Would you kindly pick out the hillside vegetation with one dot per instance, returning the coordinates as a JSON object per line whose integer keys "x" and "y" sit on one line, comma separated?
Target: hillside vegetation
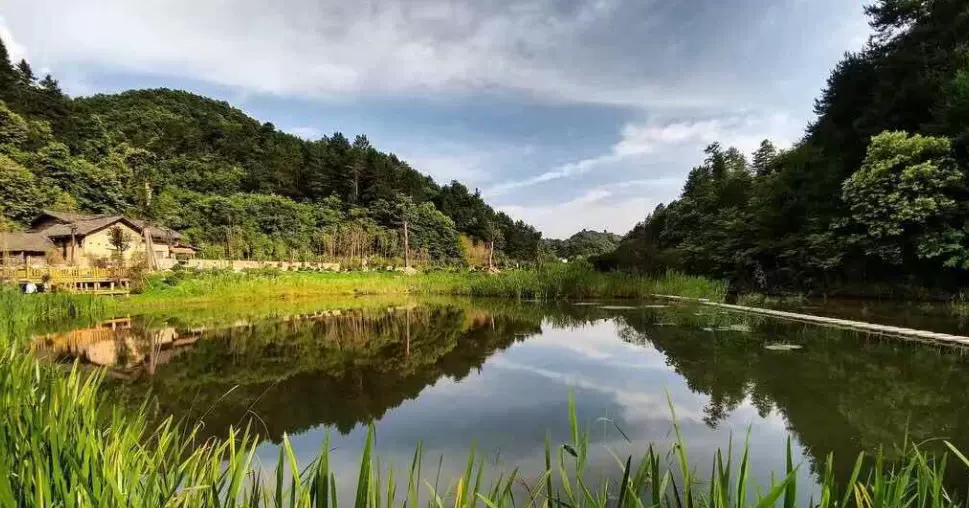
{"x": 875, "y": 195}
{"x": 235, "y": 186}
{"x": 584, "y": 244}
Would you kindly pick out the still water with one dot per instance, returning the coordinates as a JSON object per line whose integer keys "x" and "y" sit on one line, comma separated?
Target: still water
{"x": 449, "y": 373}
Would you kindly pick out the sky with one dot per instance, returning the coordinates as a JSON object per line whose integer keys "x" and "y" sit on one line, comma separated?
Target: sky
{"x": 568, "y": 114}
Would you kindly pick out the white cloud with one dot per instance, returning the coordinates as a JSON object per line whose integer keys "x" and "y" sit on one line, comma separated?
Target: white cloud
{"x": 599, "y": 208}
{"x": 614, "y": 52}
{"x": 742, "y": 131}
{"x": 470, "y": 168}
{"x": 15, "y": 49}
{"x": 306, "y": 132}
{"x": 642, "y": 143}
{"x": 330, "y": 48}
{"x": 563, "y": 171}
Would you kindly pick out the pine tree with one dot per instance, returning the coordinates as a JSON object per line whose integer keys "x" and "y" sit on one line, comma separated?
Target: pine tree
{"x": 764, "y": 158}
{"x": 8, "y": 76}
{"x": 25, "y": 74}
{"x": 50, "y": 85}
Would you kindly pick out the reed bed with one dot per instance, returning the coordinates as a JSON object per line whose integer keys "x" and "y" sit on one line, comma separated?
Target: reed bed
{"x": 574, "y": 281}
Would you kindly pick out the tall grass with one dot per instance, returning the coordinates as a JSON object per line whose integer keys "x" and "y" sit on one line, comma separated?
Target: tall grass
{"x": 20, "y": 313}
{"x": 547, "y": 282}
{"x": 575, "y": 281}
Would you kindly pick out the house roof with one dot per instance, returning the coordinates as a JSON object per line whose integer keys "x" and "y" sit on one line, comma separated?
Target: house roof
{"x": 73, "y": 216}
{"x": 86, "y": 227}
{"x": 89, "y": 223}
{"x": 159, "y": 232}
{"x": 25, "y": 242}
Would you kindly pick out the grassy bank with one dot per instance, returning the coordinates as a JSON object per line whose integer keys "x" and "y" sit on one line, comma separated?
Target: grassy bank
{"x": 187, "y": 289}
{"x": 572, "y": 281}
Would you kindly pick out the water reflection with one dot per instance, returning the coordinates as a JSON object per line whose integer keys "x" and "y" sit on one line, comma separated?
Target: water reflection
{"x": 449, "y": 373}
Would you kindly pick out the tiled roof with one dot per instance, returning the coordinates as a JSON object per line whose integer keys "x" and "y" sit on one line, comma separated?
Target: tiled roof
{"x": 74, "y": 216}
{"x": 25, "y": 242}
{"x": 85, "y": 227}
{"x": 158, "y": 232}
{"x": 89, "y": 223}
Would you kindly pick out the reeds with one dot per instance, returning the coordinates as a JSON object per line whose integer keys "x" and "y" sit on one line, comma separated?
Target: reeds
{"x": 573, "y": 281}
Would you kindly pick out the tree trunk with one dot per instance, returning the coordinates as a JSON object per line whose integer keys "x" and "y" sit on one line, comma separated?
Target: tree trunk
{"x": 73, "y": 242}
{"x": 150, "y": 258}
{"x": 406, "y": 246}
{"x": 491, "y": 256}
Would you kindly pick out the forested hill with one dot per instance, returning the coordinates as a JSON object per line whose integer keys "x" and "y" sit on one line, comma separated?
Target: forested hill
{"x": 584, "y": 244}
{"x": 876, "y": 192}
{"x": 235, "y": 186}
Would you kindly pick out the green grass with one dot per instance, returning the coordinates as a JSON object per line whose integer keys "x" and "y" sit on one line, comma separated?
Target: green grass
{"x": 185, "y": 289}
{"x": 573, "y": 281}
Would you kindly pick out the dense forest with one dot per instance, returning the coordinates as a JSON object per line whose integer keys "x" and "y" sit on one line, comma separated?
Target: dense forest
{"x": 874, "y": 196}
{"x": 237, "y": 188}
{"x": 584, "y": 244}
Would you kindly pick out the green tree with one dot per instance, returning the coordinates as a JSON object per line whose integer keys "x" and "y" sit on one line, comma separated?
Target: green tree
{"x": 25, "y": 75}
{"x": 905, "y": 199}
{"x": 14, "y": 130}
{"x": 8, "y": 75}
{"x": 120, "y": 241}
{"x": 20, "y": 192}
{"x": 763, "y": 158}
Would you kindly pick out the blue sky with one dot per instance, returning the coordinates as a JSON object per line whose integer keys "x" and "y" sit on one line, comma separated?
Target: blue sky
{"x": 568, "y": 114}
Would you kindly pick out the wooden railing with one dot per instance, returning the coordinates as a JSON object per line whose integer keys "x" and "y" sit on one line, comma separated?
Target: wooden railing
{"x": 58, "y": 275}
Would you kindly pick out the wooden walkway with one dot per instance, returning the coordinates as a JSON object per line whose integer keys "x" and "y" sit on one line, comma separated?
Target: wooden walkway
{"x": 907, "y": 333}
{"x": 102, "y": 281}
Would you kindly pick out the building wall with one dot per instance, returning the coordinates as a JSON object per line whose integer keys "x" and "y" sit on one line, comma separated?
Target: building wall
{"x": 97, "y": 247}
{"x": 18, "y": 258}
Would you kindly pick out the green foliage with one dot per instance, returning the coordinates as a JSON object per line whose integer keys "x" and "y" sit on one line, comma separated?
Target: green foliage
{"x": 905, "y": 199}
{"x": 584, "y": 244}
{"x": 20, "y": 192}
{"x": 13, "y": 128}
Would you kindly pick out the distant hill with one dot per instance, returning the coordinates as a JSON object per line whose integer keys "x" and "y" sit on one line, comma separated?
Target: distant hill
{"x": 235, "y": 186}
{"x": 584, "y": 244}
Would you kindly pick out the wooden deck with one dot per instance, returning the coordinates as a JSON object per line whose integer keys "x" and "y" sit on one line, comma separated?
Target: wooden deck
{"x": 101, "y": 281}
{"x": 894, "y": 331}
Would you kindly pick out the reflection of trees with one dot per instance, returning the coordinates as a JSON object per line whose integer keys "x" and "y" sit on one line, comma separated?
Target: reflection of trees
{"x": 843, "y": 392}
{"x": 287, "y": 376}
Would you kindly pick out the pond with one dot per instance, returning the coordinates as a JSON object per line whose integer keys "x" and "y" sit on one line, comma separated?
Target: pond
{"x": 449, "y": 373}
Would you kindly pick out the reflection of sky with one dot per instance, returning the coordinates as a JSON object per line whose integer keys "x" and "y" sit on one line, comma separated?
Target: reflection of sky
{"x": 521, "y": 393}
